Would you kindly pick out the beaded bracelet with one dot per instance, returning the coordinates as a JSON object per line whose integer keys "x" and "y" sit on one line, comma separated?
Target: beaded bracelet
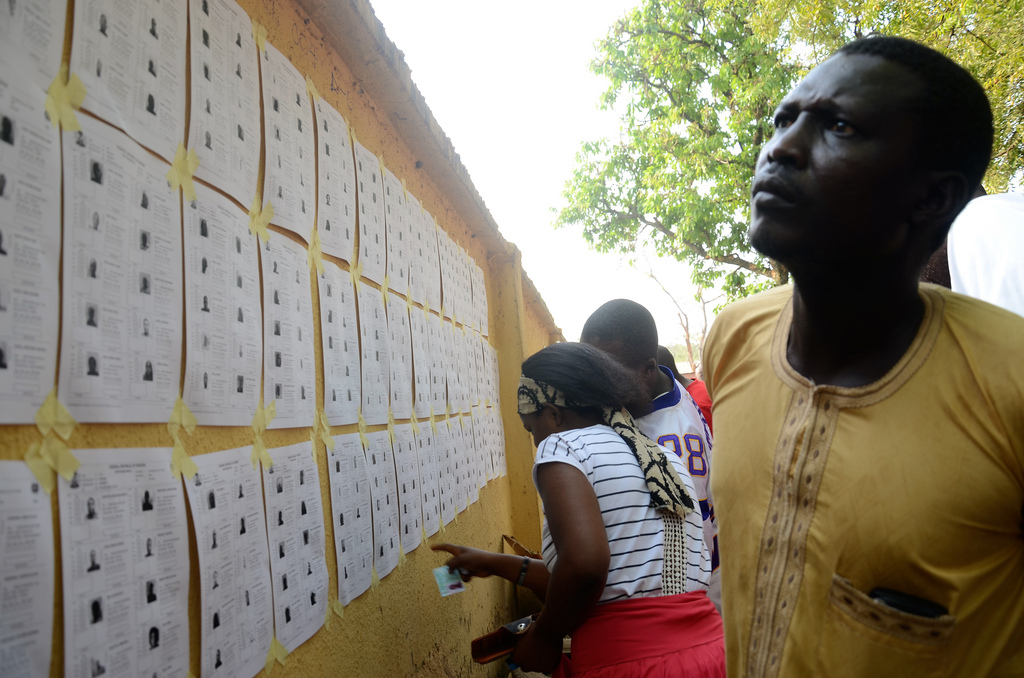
{"x": 522, "y": 572}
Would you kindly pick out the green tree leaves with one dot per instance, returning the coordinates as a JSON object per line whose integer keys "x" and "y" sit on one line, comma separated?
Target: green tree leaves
{"x": 697, "y": 81}
{"x": 697, "y": 88}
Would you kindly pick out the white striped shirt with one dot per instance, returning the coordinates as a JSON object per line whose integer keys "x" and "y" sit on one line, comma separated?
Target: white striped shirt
{"x": 634, "y": 529}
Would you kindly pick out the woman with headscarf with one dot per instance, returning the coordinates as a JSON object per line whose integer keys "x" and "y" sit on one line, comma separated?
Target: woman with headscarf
{"x": 625, "y": 570}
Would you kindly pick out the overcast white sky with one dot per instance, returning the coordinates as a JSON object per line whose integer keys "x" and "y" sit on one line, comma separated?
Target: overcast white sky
{"x": 511, "y": 86}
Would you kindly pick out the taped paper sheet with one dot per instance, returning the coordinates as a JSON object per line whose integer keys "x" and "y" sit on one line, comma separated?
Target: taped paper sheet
{"x": 410, "y": 514}
{"x": 430, "y": 491}
{"x": 372, "y": 251}
{"x": 336, "y": 212}
{"x": 399, "y": 357}
{"x": 131, "y": 58}
{"x": 32, "y": 39}
{"x": 437, "y": 343}
{"x": 339, "y": 331}
{"x": 383, "y": 493}
{"x": 289, "y": 376}
{"x": 432, "y": 268}
{"x": 224, "y": 344}
{"x": 121, "y": 332}
{"x": 224, "y": 124}
{"x": 373, "y": 332}
{"x": 226, "y": 501}
{"x": 485, "y": 467}
{"x": 289, "y": 179}
{"x": 124, "y": 553}
{"x": 30, "y": 175}
{"x": 295, "y": 531}
{"x": 474, "y": 472}
{"x": 419, "y": 335}
{"x": 396, "y": 221}
{"x": 353, "y": 520}
{"x": 417, "y": 250}
{"x": 445, "y": 454}
{"x": 26, "y": 542}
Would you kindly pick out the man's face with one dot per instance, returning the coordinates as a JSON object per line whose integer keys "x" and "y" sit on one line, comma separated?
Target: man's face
{"x": 838, "y": 181}
{"x": 648, "y": 372}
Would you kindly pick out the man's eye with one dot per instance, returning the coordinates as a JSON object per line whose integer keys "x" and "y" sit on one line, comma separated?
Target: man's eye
{"x": 782, "y": 122}
{"x": 841, "y": 127}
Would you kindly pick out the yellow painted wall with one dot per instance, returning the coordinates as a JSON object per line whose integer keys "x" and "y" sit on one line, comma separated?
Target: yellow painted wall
{"x": 402, "y": 627}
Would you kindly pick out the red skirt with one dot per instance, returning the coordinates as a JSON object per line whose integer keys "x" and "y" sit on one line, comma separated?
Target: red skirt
{"x": 665, "y": 637}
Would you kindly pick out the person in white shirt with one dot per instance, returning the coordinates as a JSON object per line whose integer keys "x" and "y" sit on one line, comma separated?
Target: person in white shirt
{"x": 984, "y": 247}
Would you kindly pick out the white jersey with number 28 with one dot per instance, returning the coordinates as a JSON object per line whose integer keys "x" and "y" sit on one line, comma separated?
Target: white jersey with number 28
{"x": 678, "y": 425}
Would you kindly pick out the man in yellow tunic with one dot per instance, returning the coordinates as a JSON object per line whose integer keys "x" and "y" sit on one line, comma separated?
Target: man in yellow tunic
{"x": 869, "y": 443}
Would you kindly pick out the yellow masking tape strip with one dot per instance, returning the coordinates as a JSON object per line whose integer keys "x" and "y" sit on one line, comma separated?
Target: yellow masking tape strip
{"x": 426, "y": 306}
{"x": 352, "y": 135}
{"x": 412, "y": 419}
{"x": 325, "y": 431}
{"x": 182, "y": 169}
{"x": 384, "y": 285}
{"x": 423, "y": 534}
{"x": 277, "y": 653}
{"x": 401, "y": 554}
{"x": 356, "y": 271}
{"x": 181, "y": 417}
{"x": 181, "y": 463}
{"x": 261, "y": 454}
{"x": 311, "y": 89}
{"x": 374, "y": 579}
{"x": 338, "y": 608}
{"x": 362, "y": 431}
{"x": 260, "y": 421}
{"x": 63, "y": 98}
{"x": 57, "y": 454}
{"x": 40, "y": 469}
{"x": 391, "y": 425}
{"x": 259, "y": 34}
{"x": 260, "y": 218}
{"x": 314, "y": 256}
{"x": 433, "y": 420}
{"x": 327, "y": 618}
{"x": 53, "y": 416}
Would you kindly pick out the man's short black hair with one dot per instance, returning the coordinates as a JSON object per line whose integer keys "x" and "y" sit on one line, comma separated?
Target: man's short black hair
{"x": 626, "y": 322}
{"x": 955, "y": 115}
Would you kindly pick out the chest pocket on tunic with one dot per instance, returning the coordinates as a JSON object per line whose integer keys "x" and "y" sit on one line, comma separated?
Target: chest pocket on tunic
{"x": 863, "y": 637}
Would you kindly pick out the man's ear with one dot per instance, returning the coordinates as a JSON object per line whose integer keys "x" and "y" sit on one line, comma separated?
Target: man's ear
{"x": 947, "y": 194}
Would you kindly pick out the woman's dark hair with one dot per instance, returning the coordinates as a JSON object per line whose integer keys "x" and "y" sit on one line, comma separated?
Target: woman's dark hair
{"x": 586, "y": 375}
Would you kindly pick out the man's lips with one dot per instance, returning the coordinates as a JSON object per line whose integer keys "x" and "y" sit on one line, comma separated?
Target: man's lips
{"x": 770, "y": 188}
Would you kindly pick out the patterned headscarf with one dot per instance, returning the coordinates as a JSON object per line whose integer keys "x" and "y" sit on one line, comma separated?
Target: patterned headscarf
{"x": 668, "y": 493}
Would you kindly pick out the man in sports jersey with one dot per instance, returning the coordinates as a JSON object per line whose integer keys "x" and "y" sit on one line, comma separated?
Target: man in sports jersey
{"x": 627, "y": 330}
